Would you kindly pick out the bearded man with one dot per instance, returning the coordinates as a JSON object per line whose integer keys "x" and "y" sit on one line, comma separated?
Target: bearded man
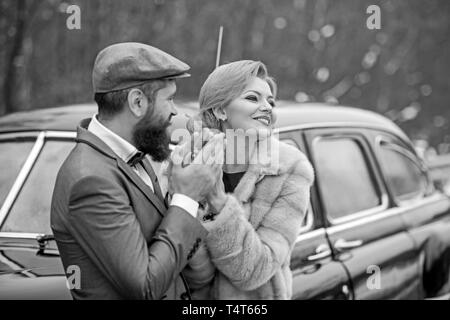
{"x": 109, "y": 215}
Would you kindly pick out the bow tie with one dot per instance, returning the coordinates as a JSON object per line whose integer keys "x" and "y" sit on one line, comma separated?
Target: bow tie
{"x": 138, "y": 157}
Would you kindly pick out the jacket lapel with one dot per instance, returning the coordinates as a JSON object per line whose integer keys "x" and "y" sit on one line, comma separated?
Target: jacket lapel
{"x": 87, "y": 137}
{"x": 133, "y": 176}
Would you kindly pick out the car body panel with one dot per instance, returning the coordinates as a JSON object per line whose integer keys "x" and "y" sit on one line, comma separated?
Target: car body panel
{"x": 375, "y": 240}
{"x": 28, "y": 273}
{"x": 397, "y": 239}
{"x": 428, "y": 225}
{"x": 317, "y": 278}
{"x": 320, "y": 277}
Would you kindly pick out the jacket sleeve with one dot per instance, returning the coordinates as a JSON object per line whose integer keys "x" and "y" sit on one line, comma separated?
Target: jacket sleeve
{"x": 103, "y": 222}
{"x": 248, "y": 257}
{"x": 200, "y": 271}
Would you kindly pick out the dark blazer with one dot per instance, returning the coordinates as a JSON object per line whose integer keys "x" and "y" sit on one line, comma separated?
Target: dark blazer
{"x": 111, "y": 225}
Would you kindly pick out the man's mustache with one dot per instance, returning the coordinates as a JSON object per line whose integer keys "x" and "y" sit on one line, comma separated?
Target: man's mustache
{"x": 159, "y": 124}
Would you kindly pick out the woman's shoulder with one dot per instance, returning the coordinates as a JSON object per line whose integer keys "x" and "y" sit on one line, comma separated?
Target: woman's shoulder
{"x": 293, "y": 160}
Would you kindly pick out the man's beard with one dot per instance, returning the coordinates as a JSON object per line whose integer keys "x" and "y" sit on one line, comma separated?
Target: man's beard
{"x": 151, "y": 137}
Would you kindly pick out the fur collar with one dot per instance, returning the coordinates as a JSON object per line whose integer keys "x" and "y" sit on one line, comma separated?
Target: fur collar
{"x": 269, "y": 159}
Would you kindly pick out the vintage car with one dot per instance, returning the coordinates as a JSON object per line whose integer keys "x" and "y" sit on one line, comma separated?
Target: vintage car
{"x": 377, "y": 227}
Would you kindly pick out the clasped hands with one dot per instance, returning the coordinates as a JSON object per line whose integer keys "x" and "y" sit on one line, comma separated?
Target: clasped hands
{"x": 195, "y": 168}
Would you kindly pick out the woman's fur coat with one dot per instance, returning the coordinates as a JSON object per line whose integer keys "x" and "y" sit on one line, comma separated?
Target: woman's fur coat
{"x": 248, "y": 248}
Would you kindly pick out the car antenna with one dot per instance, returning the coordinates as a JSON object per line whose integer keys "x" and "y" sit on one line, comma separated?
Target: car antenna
{"x": 219, "y": 50}
{"x": 219, "y": 46}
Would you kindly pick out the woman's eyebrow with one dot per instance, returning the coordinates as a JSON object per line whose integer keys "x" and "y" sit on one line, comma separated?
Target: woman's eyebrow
{"x": 252, "y": 91}
{"x": 259, "y": 94}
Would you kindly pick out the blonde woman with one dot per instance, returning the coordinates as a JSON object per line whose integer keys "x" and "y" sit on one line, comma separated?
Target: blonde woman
{"x": 255, "y": 212}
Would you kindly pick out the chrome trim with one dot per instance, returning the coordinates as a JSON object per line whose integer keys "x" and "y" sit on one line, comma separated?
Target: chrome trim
{"x": 309, "y": 235}
{"x": 310, "y": 220}
{"x": 342, "y": 244}
{"x": 385, "y": 214}
{"x": 379, "y": 140}
{"x": 15, "y": 135}
{"x": 20, "y": 235}
{"x": 61, "y": 134}
{"x": 29, "y": 162}
{"x": 360, "y": 125}
{"x": 21, "y": 177}
{"x": 27, "y": 248}
{"x": 379, "y": 187}
{"x": 395, "y": 147}
{"x": 443, "y": 297}
{"x": 322, "y": 251}
{"x": 383, "y": 206}
{"x": 14, "y": 266}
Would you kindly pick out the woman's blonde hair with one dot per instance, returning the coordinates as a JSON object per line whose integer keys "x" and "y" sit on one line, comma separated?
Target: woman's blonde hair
{"x": 224, "y": 85}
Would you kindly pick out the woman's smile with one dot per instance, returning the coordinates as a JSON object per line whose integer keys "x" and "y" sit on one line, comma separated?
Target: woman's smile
{"x": 265, "y": 119}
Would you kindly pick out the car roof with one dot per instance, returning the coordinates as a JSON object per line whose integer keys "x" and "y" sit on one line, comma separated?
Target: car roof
{"x": 289, "y": 115}
{"x": 292, "y": 114}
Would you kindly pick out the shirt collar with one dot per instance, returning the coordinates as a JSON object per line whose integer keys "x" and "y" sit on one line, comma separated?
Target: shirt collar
{"x": 118, "y": 145}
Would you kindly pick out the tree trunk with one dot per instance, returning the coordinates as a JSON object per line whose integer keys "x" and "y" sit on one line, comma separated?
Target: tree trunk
{"x": 9, "y": 85}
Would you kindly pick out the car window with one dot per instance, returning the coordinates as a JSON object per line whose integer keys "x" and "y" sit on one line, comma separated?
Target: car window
{"x": 344, "y": 177}
{"x": 307, "y": 220}
{"x": 290, "y": 142}
{"x": 12, "y": 157}
{"x": 31, "y": 210}
{"x": 402, "y": 173}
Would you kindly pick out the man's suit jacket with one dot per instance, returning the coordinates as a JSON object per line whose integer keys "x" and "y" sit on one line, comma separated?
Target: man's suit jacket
{"x": 111, "y": 225}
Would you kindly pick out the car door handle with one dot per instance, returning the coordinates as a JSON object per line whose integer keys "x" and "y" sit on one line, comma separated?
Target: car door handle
{"x": 342, "y": 244}
{"x": 322, "y": 251}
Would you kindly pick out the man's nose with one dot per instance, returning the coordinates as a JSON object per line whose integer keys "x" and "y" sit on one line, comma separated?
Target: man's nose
{"x": 173, "y": 110}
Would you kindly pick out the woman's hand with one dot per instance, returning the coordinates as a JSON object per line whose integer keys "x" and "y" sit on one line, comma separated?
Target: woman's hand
{"x": 205, "y": 147}
{"x": 217, "y": 197}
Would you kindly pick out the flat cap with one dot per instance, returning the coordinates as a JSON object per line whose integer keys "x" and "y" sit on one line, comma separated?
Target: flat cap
{"x": 129, "y": 64}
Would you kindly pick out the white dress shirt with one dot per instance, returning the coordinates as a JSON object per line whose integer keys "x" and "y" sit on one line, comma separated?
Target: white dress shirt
{"x": 126, "y": 151}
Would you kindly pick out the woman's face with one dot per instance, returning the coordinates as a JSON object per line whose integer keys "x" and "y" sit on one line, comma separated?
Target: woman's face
{"x": 252, "y": 109}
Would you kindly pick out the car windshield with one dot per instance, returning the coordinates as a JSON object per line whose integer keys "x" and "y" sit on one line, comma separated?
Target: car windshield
{"x": 12, "y": 157}
{"x": 31, "y": 210}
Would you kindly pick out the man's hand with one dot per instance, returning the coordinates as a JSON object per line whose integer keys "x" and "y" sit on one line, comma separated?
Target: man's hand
{"x": 217, "y": 197}
{"x": 196, "y": 179}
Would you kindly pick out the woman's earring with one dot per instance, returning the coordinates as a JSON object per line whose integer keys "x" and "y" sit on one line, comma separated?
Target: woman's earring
{"x": 222, "y": 115}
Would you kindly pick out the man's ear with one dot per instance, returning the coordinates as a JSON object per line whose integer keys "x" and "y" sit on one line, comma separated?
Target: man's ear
{"x": 220, "y": 113}
{"x": 137, "y": 102}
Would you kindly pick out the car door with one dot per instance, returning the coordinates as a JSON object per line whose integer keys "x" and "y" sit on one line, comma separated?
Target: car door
{"x": 425, "y": 211}
{"x": 30, "y": 266}
{"x": 366, "y": 232}
{"x": 315, "y": 274}
{"x": 28, "y": 211}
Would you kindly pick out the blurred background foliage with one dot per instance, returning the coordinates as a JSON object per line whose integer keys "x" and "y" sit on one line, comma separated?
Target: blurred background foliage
{"x": 317, "y": 50}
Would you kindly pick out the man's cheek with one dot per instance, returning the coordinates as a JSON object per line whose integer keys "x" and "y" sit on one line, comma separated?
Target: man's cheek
{"x": 155, "y": 121}
{"x": 161, "y": 113}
